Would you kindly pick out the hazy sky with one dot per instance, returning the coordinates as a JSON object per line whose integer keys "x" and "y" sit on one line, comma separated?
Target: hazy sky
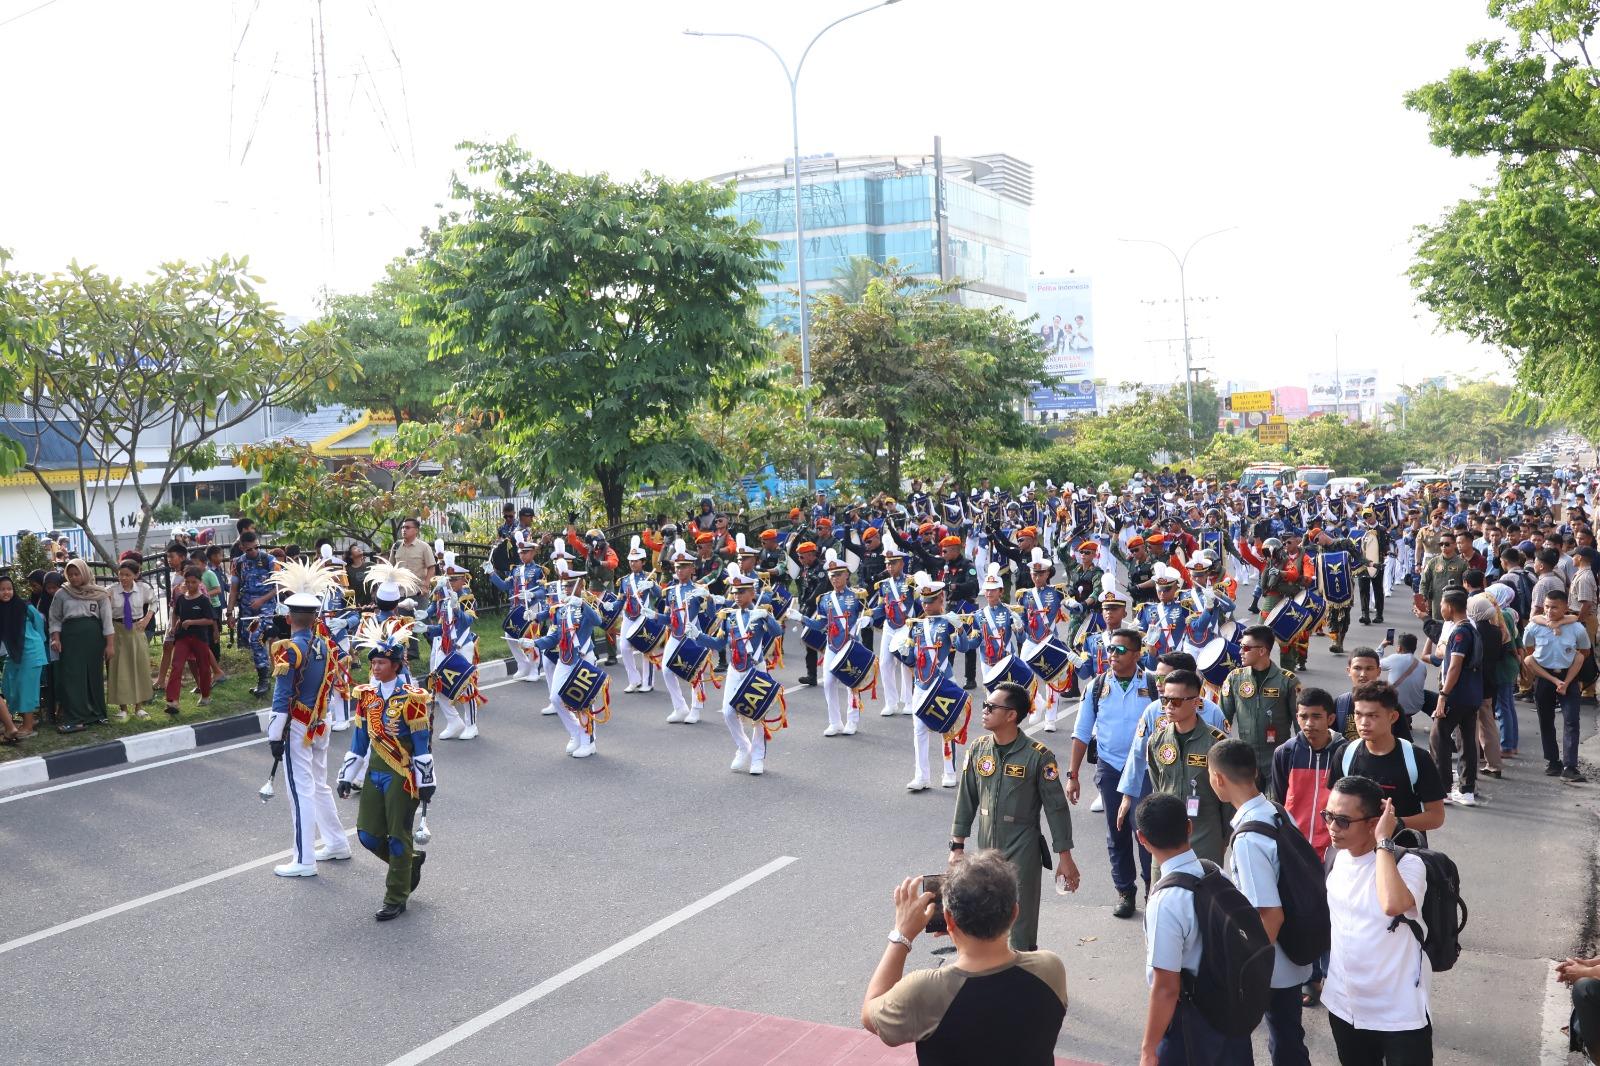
{"x": 137, "y": 132}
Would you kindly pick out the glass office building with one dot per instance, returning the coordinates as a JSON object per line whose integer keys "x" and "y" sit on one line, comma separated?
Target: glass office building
{"x": 887, "y": 207}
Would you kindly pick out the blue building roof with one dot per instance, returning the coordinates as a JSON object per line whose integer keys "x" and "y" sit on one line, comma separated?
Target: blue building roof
{"x": 49, "y": 445}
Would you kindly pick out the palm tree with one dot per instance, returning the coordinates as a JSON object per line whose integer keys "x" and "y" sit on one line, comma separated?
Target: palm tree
{"x": 851, "y": 283}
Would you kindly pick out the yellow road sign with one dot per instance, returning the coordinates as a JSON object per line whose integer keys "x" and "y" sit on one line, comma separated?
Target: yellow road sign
{"x": 1250, "y": 401}
{"x": 1274, "y": 433}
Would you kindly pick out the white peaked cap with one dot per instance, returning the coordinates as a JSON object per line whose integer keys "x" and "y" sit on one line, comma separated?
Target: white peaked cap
{"x": 925, "y": 583}
{"x": 680, "y": 552}
{"x": 831, "y": 561}
{"x": 1039, "y": 562}
{"x": 991, "y": 578}
{"x": 891, "y": 550}
{"x": 636, "y": 548}
{"x": 740, "y": 548}
{"x": 558, "y": 550}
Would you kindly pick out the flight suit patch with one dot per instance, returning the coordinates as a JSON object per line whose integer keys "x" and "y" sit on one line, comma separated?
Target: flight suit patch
{"x": 1167, "y": 754}
{"x": 985, "y": 765}
{"x": 1270, "y": 693}
{"x": 1050, "y": 771}
{"x": 1016, "y": 770}
{"x": 1247, "y": 687}
{"x": 1196, "y": 759}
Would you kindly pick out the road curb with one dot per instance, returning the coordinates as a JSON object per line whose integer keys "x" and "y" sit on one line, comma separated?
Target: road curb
{"x": 41, "y": 769}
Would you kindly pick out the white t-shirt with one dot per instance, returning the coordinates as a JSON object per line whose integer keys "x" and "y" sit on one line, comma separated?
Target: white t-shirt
{"x": 1377, "y": 979}
{"x": 1410, "y": 690}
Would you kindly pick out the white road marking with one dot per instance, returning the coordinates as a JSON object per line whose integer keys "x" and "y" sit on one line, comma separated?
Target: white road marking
{"x": 551, "y": 984}
{"x": 154, "y": 897}
{"x": 208, "y": 750}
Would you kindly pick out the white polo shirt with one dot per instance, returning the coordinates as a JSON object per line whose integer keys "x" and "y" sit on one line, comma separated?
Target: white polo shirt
{"x": 1377, "y": 979}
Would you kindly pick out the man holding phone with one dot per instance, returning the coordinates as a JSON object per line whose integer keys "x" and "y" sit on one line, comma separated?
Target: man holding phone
{"x": 1006, "y": 781}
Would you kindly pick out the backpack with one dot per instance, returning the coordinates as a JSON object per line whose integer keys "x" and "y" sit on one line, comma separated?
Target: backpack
{"x": 1235, "y": 980}
{"x": 1443, "y": 910}
{"x": 1307, "y": 931}
{"x": 1407, "y": 752}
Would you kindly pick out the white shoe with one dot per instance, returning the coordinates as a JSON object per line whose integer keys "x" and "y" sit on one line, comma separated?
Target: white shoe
{"x": 296, "y": 869}
{"x": 340, "y": 727}
{"x": 905, "y": 708}
{"x": 888, "y": 710}
{"x": 675, "y": 716}
{"x": 950, "y": 780}
{"x": 741, "y": 762}
{"x": 647, "y": 688}
{"x": 831, "y": 731}
{"x": 1098, "y": 806}
{"x": 850, "y": 729}
{"x": 452, "y": 731}
{"x": 631, "y": 687}
{"x": 584, "y": 750}
{"x": 917, "y": 784}
{"x": 327, "y": 854}
{"x": 527, "y": 677}
{"x": 471, "y": 732}
{"x": 572, "y": 745}
{"x": 757, "y": 768}
{"x": 1049, "y": 727}
{"x": 548, "y": 708}
{"x": 1462, "y": 799}
{"x": 693, "y": 716}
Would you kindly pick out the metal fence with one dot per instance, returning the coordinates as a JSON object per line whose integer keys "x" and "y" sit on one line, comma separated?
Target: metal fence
{"x": 76, "y": 538}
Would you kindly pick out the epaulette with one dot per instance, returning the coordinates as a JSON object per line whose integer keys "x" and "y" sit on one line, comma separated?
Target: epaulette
{"x": 286, "y": 655}
{"x": 1037, "y": 746}
{"x": 1289, "y": 675}
{"x": 1217, "y": 734}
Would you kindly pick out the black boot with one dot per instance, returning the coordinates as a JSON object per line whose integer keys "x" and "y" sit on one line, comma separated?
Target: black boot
{"x": 1124, "y": 907}
{"x": 263, "y": 682}
{"x": 417, "y": 859}
{"x": 390, "y": 912}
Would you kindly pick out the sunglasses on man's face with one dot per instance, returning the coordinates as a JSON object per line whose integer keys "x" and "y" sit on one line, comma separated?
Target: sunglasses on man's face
{"x": 996, "y": 707}
{"x": 1343, "y": 821}
{"x": 1175, "y": 701}
{"x": 1120, "y": 649}
{"x": 1252, "y": 647}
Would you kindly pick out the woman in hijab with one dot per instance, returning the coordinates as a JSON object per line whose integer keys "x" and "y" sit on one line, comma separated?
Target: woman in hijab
{"x": 1504, "y": 678}
{"x": 81, "y": 637}
{"x": 1484, "y": 612}
{"x": 22, "y": 641}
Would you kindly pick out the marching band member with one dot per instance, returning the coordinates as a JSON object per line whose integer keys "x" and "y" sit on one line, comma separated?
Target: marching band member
{"x": 1164, "y": 621}
{"x": 892, "y": 603}
{"x": 338, "y": 623}
{"x": 393, "y": 722}
{"x": 1336, "y": 565}
{"x": 1210, "y": 599}
{"x": 959, "y": 577}
{"x": 524, "y": 587}
{"x": 453, "y": 664}
{"x": 571, "y": 640}
{"x": 560, "y": 563}
{"x": 297, "y": 728}
{"x": 1043, "y": 608}
{"x": 813, "y": 582}
{"x": 686, "y": 607}
{"x": 640, "y": 594}
{"x": 1084, "y": 580}
{"x": 839, "y": 619}
{"x": 745, "y": 632}
{"x": 931, "y": 642}
{"x": 999, "y": 628}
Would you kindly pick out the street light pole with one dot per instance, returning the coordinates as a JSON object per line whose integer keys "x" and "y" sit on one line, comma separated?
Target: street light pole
{"x": 793, "y": 79}
{"x": 1183, "y": 304}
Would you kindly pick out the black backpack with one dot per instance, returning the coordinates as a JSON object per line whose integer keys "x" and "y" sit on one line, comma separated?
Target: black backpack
{"x": 1307, "y": 931}
{"x": 1235, "y": 980}
{"x": 1443, "y": 910}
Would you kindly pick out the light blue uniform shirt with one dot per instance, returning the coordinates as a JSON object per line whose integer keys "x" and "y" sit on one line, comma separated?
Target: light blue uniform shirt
{"x": 1554, "y": 649}
{"x": 1112, "y": 718}
{"x": 1135, "y": 773}
{"x": 1252, "y": 864}
{"x": 1171, "y": 933}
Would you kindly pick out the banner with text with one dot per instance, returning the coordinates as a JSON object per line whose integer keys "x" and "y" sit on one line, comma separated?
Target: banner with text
{"x": 1065, "y": 324}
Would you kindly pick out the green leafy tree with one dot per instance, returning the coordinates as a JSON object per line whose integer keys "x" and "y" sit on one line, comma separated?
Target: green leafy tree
{"x": 392, "y": 372}
{"x": 940, "y": 379}
{"x": 1514, "y": 264}
{"x": 592, "y": 316}
{"x": 109, "y": 370}
{"x": 1471, "y": 421}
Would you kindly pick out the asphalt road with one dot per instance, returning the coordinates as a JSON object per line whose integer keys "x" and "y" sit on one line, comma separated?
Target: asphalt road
{"x": 549, "y": 879}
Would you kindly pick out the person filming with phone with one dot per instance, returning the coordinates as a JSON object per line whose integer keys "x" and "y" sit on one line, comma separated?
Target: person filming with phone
{"x": 992, "y": 1003}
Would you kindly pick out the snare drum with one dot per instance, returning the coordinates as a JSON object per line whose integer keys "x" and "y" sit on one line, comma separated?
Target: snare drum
{"x": 815, "y": 639}
{"x": 1218, "y": 659}
{"x": 1288, "y": 620}
{"x": 689, "y": 659}
{"x": 856, "y": 666}
{"x": 1014, "y": 670}
{"x": 945, "y": 707}
{"x": 755, "y": 695}
{"x": 454, "y": 673}
{"x": 582, "y": 685}
{"x": 647, "y": 634}
{"x": 1049, "y": 660}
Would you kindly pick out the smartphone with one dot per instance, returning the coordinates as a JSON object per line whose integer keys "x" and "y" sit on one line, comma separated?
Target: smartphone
{"x": 935, "y": 883}
{"x": 1388, "y": 635}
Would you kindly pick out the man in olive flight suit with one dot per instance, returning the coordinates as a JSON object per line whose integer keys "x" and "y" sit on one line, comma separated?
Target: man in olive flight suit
{"x": 1175, "y": 753}
{"x": 1258, "y": 699}
{"x": 1007, "y": 780}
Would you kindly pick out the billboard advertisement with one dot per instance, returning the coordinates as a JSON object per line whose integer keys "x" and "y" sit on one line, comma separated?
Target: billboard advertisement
{"x": 1065, "y": 324}
{"x": 1345, "y": 386}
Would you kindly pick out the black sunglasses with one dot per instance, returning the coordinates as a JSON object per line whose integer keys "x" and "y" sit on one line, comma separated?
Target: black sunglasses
{"x": 997, "y": 707}
{"x": 1343, "y": 821}
{"x": 1120, "y": 649}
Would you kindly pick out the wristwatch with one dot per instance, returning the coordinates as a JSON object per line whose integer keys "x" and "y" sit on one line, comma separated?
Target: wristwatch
{"x": 896, "y": 937}
{"x": 1072, "y": 775}
{"x": 958, "y": 845}
{"x": 1386, "y": 844}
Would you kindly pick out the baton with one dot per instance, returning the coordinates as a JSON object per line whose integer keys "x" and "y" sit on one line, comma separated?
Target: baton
{"x": 267, "y": 791}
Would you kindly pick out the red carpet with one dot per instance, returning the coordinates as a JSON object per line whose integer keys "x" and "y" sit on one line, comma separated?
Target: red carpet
{"x": 676, "y": 1033}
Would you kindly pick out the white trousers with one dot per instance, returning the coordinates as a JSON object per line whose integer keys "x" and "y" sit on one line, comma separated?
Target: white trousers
{"x": 641, "y": 671}
{"x": 675, "y": 684}
{"x": 922, "y": 739}
{"x": 311, "y": 809}
{"x": 465, "y": 715}
{"x": 338, "y": 709}
{"x": 549, "y": 662}
{"x": 840, "y": 706}
{"x": 527, "y": 665}
{"x": 895, "y": 674}
{"x": 751, "y": 742}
